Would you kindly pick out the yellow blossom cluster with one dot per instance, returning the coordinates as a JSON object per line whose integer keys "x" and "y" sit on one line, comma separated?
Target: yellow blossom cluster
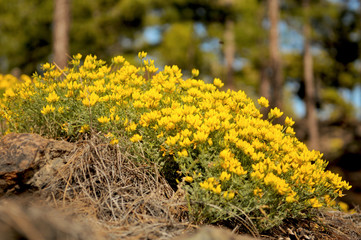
{"x": 237, "y": 157}
{"x": 8, "y": 81}
{"x": 212, "y": 185}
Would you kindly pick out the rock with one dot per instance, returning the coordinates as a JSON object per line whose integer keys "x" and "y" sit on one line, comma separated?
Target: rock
{"x": 29, "y": 160}
{"x": 213, "y": 233}
{"x": 24, "y": 219}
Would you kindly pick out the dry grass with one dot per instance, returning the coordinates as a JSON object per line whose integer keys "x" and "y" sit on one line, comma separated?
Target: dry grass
{"x": 129, "y": 197}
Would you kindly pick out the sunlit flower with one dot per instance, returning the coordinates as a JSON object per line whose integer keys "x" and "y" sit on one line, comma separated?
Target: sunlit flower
{"x": 136, "y": 138}
{"x": 258, "y": 192}
{"x": 90, "y": 100}
{"x": 183, "y": 153}
{"x": 103, "y": 119}
{"x": 289, "y": 122}
{"x": 218, "y": 83}
{"x": 225, "y": 176}
{"x": 275, "y": 113}
{"x": 84, "y": 128}
{"x": 118, "y": 59}
{"x": 195, "y": 73}
{"x": 52, "y": 97}
{"x": 114, "y": 141}
{"x": 315, "y": 203}
{"x": 61, "y": 109}
{"x": 217, "y": 189}
{"x": 9, "y": 93}
{"x": 228, "y": 195}
{"x": 47, "y": 109}
{"x": 188, "y": 179}
{"x": 142, "y": 55}
{"x": 263, "y": 102}
{"x": 47, "y": 66}
{"x": 77, "y": 57}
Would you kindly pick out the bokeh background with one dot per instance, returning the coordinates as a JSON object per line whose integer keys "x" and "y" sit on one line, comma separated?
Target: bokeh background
{"x": 303, "y": 55}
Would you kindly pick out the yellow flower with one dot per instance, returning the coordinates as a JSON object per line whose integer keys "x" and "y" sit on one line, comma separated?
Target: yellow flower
{"x": 289, "y": 122}
{"x": 225, "y": 176}
{"x": 277, "y": 183}
{"x": 195, "y": 72}
{"x": 188, "y": 179}
{"x": 290, "y": 131}
{"x": 61, "y": 109}
{"x": 103, "y": 119}
{"x": 200, "y": 136}
{"x": 118, "y": 60}
{"x": 228, "y": 195}
{"x": 186, "y": 133}
{"x": 183, "y": 153}
{"x": 47, "y": 109}
{"x": 218, "y": 82}
{"x": 186, "y": 142}
{"x": 291, "y": 197}
{"x": 131, "y": 127}
{"x": 52, "y": 97}
{"x": 9, "y": 93}
{"x": 136, "y": 138}
{"x": 138, "y": 104}
{"x": 161, "y": 134}
{"x": 226, "y": 154}
{"x": 171, "y": 141}
{"x": 109, "y": 135}
{"x": 211, "y": 180}
{"x": 343, "y": 206}
{"x": 77, "y": 57}
{"x": 263, "y": 102}
{"x": 114, "y": 141}
{"x": 47, "y": 66}
{"x": 65, "y": 127}
{"x": 142, "y": 55}
{"x": 258, "y": 192}
{"x": 315, "y": 203}
{"x": 217, "y": 189}
{"x": 206, "y": 185}
{"x": 91, "y": 100}
{"x": 84, "y": 128}
{"x": 275, "y": 113}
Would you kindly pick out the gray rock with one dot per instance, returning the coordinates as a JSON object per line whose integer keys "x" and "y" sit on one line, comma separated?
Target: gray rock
{"x": 24, "y": 219}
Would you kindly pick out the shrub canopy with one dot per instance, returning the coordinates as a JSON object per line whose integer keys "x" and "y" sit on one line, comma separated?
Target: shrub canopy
{"x": 233, "y": 162}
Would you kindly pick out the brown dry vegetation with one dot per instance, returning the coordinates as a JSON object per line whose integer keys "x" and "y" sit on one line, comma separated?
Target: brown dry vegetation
{"x": 111, "y": 185}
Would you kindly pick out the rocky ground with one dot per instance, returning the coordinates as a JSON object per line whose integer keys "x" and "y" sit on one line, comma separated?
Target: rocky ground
{"x": 87, "y": 190}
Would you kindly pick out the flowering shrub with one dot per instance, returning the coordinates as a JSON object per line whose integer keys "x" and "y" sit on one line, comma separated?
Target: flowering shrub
{"x": 7, "y": 82}
{"x": 232, "y": 161}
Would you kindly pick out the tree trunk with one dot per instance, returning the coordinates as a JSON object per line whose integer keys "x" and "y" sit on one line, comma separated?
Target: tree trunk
{"x": 61, "y": 26}
{"x": 360, "y": 73}
{"x": 310, "y": 93}
{"x": 265, "y": 86}
{"x": 276, "y": 77}
{"x": 229, "y": 48}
